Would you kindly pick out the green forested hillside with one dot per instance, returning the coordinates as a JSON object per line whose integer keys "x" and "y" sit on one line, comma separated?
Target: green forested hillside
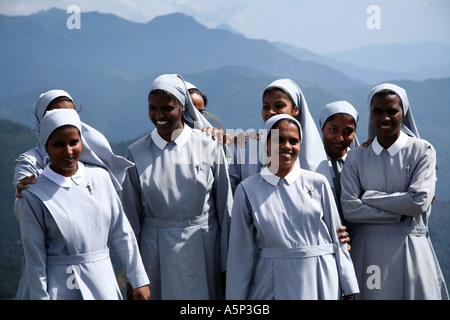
{"x": 16, "y": 138}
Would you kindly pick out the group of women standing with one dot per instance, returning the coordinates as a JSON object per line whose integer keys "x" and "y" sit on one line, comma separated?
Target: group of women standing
{"x": 192, "y": 218}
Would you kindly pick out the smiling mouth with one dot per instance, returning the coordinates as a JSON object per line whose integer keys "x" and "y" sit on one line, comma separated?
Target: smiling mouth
{"x": 286, "y": 155}
{"x": 161, "y": 123}
{"x": 69, "y": 160}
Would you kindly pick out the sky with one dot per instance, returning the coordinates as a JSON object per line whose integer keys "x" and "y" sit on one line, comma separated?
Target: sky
{"x": 322, "y": 26}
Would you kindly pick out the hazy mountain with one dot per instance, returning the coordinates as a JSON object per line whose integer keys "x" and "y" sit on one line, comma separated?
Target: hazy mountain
{"x": 382, "y": 63}
{"x": 39, "y": 45}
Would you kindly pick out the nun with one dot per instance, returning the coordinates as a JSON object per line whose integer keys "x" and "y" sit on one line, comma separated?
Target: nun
{"x": 282, "y": 96}
{"x": 338, "y": 122}
{"x": 387, "y": 192}
{"x": 178, "y": 197}
{"x": 282, "y": 241}
{"x": 31, "y": 163}
{"x": 67, "y": 220}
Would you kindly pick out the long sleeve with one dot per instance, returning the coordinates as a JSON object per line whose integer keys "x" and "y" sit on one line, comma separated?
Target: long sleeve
{"x": 32, "y": 228}
{"x": 131, "y": 198}
{"x": 242, "y": 248}
{"x": 123, "y": 240}
{"x": 223, "y": 200}
{"x": 27, "y": 164}
{"x": 353, "y": 209}
{"x": 347, "y": 277}
{"x": 419, "y": 195}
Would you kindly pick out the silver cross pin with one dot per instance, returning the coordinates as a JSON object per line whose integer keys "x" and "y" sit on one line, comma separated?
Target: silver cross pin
{"x": 198, "y": 167}
{"x": 408, "y": 170}
{"x": 311, "y": 192}
{"x": 90, "y": 188}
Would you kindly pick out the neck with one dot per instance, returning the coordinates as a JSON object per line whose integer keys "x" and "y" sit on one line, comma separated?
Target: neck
{"x": 386, "y": 142}
{"x": 281, "y": 173}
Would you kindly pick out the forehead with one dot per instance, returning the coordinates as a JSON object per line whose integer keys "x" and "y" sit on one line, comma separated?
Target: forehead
{"x": 287, "y": 128}
{"x": 340, "y": 120}
{"x": 161, "y": 98}
{"x": 386, "y": 101}
{"x": 275, "y": 94}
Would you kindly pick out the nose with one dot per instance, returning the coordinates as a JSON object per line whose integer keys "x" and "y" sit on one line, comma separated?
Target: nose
{"x": 339, "y": 137}
{"x": 69, "y": 150}
{"x": 159, "y": 114}
{"x": 285, "y": 145}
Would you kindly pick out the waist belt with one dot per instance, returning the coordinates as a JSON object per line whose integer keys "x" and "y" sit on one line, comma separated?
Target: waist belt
{"x": 177, "y": 223}
{"x": 392, "y": 230}
{"x": 79, "y": 258}
{"x": 299, "y": 252}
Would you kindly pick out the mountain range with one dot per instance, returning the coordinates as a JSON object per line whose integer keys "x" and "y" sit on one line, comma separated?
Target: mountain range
{"x": 109, "y": 64}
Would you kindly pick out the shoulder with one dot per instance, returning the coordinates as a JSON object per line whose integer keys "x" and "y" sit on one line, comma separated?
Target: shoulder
{"x": 313, "y": 177}
{"x": 420, "y": 144}
{"x": 96, "y": 170}
{"x": 140, "y": 142}
{"x": 252, "y": 182}
{"x": 29, "y": 156}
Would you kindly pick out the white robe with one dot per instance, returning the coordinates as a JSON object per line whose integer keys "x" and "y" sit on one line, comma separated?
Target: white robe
{"x": 391, "y": 250}
{"x": 178, "y": 200}
{"x": 283, "y": 243}
{"x": 66, "y": 227}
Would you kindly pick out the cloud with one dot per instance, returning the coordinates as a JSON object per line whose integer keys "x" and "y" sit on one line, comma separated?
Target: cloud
{"x": 322, "y": 26}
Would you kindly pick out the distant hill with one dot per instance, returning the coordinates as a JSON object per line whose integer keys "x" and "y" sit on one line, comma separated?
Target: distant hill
{"x": 380, "y": 63}
{"x": 414, "y": 61}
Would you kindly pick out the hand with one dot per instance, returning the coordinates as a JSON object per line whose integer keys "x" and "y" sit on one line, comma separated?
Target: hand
{"x": 216, "y": 134}
{"x": 141, "y": 293}
{"x": 23, "y": 184}
{"x": 343, "y": 236}
{"x": 240, "y": 140}
{"x": 367, "y": 143}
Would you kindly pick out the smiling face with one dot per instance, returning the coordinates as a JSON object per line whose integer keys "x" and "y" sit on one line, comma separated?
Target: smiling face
{"x": 386, "y": 114}
{"x": 275, "y": 102}
{"x": 338, "y": 133}
{"x": 283, "y": 147}
{"x": 64, "y": 148}
{"x": 165, "y": 112}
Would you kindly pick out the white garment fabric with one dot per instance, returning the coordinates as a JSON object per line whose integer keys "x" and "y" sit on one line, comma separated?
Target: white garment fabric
{"x": 283, "y": 243}
{"x": 178, "y": 199}
{"x": 66, "y": 229}
{"x": 391, "y": 249}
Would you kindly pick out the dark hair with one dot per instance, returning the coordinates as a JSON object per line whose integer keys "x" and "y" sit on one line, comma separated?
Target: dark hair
{"x": 275, "y": 125}
{"x": 195, "y": 90}
{"x": 165, "y": 92}
{"x": 385, "y": 93}
{"x": 269, "y": 90}
{"x": 62, "y": 98}
{"x": 333, "y": 116}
